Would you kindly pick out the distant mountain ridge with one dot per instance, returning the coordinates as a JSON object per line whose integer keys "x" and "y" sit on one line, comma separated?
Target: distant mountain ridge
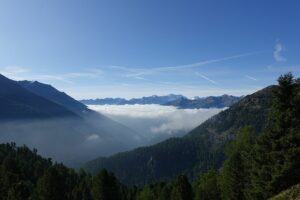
{"x": 154, "y": 99}
{"x": 178, "y": 101}
{"x": 205, "y": 102}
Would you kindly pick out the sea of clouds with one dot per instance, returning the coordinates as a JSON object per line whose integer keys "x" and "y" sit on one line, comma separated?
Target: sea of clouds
{"x": 73, "y": 142}
{"x": 155, "y": 123}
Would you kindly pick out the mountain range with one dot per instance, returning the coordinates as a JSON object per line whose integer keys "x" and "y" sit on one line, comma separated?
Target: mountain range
{"x": 178, "y": 101}
{"x": 201, "y": 149}
{"x": 204, "y": 102}
{"x": 42, "y": 117}
{"x": 154, "y": 99}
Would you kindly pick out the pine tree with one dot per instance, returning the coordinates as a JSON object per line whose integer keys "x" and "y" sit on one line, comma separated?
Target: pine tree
{"x": 147, "y": 193}
{"x": 207, "y": 187}
{"x": 20, "y": 191}
{"x": 181, "y": 189}
{"x": 276, "y": 163}
{"x": 52, "y": 185}
{"x": 81, "y": 190}
{"x": 105, "y": 186}
{"x": 236, "y": 169}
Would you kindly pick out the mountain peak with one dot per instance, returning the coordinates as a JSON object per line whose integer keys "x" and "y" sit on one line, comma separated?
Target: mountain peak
{"x": 19, "y": 103}
{"x": 49, "y": 92}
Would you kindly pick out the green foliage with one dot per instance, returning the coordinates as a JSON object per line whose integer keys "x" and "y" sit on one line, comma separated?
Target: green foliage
{"x": 26, "y": 175}
{"x": 105, "y": 186}
{"x": 236, "y": 169}
{"x": 53, "y": 184}
{"x": 20, "y": 169}
{"x": 181, "y": 189}
{"x": 20, "y": 191}
{"x": 147, "y": 194}
{"x": 81, "y": 191}
{"x": 207, "y": 187}
{"x": 276, "y": 163}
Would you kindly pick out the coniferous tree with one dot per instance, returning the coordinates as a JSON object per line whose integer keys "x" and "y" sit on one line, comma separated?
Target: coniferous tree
{"x": 207, "y": 187}
{"x": 21, "y": 191}
{"x": 52, "y": 185}
{"x": 181, "y": 189}
{"x": 147, "y": 193}
{"x": 82, "y": 191}
{"x": 105, "y": 186}
{"x": 235, "y": 174}
{"x": 276, "y": 163}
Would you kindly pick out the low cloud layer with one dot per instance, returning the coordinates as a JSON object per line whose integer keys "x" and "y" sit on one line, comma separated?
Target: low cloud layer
{"x": 155, "y": 122}
{"x": 69, "y": 140}
{"x": 74, "y": 141}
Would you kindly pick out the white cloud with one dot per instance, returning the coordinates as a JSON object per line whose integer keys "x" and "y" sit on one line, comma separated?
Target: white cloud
{"x": 198, "y": 64}
{"x": 51, "y": 77}
{"x": 205, "y": 77}
{"x": 90, "y": 73}
{"x": 21, "y": 73}
{"x": 277, "y": 52}
{"x": 156, "y": 121}
{"x": 138, "y": 72}
{"x": 14, "y": 72}
{"x": 251, "y": 78}
{"x": 93, "y": 137}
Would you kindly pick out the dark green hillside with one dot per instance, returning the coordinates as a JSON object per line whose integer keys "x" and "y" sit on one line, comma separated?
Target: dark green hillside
{"x": 251, "y": 110}
{"x": 201, "y": 149}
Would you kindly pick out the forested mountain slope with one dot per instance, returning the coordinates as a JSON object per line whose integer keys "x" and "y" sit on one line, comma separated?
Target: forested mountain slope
{"x": 201, "y": 149}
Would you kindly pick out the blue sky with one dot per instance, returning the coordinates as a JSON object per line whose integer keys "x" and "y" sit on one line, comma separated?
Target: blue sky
{"x": 132, "y": 48}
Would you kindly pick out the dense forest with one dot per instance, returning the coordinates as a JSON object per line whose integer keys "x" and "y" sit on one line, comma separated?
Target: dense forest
{"x": 258, "y": 166}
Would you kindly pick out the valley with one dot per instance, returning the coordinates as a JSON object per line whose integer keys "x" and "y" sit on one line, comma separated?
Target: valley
{"x": 149, "y": 100}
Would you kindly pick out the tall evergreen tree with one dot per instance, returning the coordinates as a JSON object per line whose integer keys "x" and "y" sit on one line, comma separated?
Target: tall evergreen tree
{"x": 82, "y": 191}
{"x": 181, "y": 189}
{"x": 276, "y": 163}
{"x": 207, "y": 187}
{"x": 236, "y": 169}
{"x": 21, "y": 191}
{"x": 52, "y": 185}
{"x": 105, "y": 186}
{"x": 147, "y": 193}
